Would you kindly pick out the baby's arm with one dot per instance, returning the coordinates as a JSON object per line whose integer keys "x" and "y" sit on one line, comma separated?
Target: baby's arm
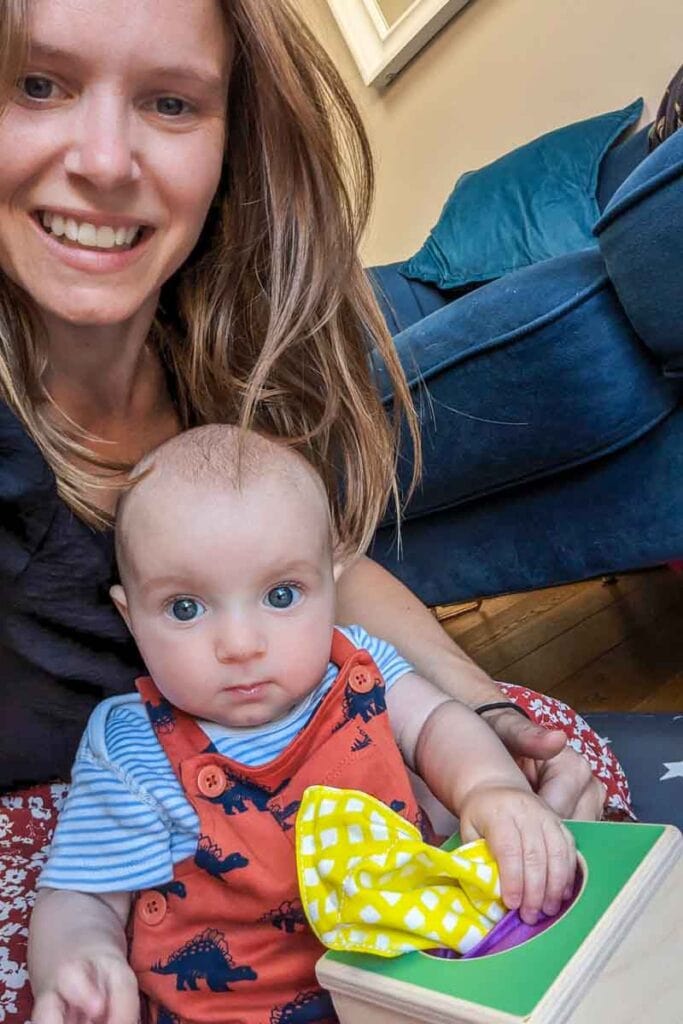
{"x": 469, "y": 770}
{"x": 77, "y": 959}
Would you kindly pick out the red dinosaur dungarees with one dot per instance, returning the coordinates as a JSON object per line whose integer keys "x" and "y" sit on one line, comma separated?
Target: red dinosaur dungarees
{"x": 226, "y": 941}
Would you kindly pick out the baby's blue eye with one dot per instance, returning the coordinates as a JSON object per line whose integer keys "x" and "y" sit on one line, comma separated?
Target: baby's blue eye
{"x": 283, "y": 596}
{"x": 36, "y": 87}
{"x": 185, "y": 609}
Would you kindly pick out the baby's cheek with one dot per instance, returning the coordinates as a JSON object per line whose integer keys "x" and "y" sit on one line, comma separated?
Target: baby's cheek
{"x": 306, "y": 664}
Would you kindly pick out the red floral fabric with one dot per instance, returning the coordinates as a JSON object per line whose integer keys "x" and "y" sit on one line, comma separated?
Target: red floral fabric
{"x": 27, "y": 821}
{"x": 553, "y": 714}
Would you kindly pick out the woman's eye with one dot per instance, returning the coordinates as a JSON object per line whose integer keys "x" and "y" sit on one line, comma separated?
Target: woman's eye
{"x": 186, "y": 609}
{"x": 171, "y": 106}
{"x": 283, "y": 596}
{"x": 37, "y": 87}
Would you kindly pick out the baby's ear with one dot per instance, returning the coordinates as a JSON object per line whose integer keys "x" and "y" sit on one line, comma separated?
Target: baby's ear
{"x": 341, "y": 560}
{"x": 118, "y": 596}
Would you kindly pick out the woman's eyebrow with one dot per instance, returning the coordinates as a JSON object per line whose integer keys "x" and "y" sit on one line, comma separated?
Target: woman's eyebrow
{"x": 209, "y": 78}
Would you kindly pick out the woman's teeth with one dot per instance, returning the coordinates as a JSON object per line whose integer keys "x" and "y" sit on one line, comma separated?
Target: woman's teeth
{"x": 87, "y": 235}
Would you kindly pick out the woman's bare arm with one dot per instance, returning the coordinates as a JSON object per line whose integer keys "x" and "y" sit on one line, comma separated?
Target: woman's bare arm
{"x": 369, "y": 595}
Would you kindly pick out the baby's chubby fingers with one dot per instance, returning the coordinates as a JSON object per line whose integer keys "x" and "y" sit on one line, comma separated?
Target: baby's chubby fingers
{"x": 123, "y": 997}
{"x": 81, "y": 988}
{"x": 48, "y": 1008}
{"x": 505, "y": 843}
{"x": 76, "y": 995}
{"x": 102, "y": 991}
{"x": 535, "y": 868}
{"x": 561, "y": 865}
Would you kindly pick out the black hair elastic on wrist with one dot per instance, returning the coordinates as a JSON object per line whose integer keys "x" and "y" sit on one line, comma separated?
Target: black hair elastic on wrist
{"x": 496, "y": 704}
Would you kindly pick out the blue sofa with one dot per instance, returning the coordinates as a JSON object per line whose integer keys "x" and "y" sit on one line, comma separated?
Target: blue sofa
{"x": 550, "y": 402}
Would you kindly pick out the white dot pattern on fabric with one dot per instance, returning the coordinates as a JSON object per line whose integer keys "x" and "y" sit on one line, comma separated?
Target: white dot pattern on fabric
{"x": 370, "y": 915}
{"x": 430, "y": 899}
{"x": 329, "y": 837}
{"x": 361, "y": 864}
{"x": 391, "y": 898}
{"x": 414, "y": 919}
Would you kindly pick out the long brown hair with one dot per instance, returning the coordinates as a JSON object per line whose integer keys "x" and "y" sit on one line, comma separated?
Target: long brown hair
{"x": 271, "y": 322}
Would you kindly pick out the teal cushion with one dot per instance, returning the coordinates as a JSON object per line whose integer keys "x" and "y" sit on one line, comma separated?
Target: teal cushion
{"x": 532, "y": 204}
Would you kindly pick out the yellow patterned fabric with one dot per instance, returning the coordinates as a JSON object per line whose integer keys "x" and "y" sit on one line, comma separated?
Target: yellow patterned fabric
{"x": 369, "y": 884}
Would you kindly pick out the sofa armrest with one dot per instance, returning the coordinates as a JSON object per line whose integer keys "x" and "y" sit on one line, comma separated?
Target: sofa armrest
{"x": 641, "y": 238}
{"x": 403, "y": 301}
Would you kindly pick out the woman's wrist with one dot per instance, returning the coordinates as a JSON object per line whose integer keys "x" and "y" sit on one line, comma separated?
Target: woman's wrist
{"x": 496, "y": 706}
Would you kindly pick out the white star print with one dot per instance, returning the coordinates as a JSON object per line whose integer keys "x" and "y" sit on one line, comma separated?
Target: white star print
{"x": 674, "y": 770}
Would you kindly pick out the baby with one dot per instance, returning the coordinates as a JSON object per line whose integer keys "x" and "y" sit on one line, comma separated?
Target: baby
{"x": 172, "y": 867}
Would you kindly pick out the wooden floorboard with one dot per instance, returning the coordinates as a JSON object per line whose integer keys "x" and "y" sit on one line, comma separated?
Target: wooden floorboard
{"x": 608, "y": 647}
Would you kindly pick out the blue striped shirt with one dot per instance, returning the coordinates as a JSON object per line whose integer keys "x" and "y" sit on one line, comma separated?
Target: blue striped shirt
{"x": 126, "y": 820}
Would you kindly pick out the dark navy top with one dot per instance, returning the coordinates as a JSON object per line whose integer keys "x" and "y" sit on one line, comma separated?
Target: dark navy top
{"x": 63, "y": 645}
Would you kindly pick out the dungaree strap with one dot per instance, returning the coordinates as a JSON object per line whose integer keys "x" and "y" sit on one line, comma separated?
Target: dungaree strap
{"x": 177, "y": 732}
{"x": 342, "y": 649}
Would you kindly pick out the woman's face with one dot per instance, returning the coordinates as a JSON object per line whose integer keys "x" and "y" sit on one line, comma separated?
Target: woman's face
{"x": 112, "y": 150}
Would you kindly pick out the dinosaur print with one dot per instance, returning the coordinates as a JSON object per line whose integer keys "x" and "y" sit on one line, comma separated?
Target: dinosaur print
{"x": 173, "y": 888}
{"x": 288, "y": 917}
{"x": 165, "y": 1016}
{"x": 205, "y": 956}
{"x": 235, "y": 800}
{"x": 365, "y": 705}
{"x": 361, "y": 741}
{"x": 307, "y": 1008}
{"x": 209, "y": 856}
{"x": 161, "y": 716}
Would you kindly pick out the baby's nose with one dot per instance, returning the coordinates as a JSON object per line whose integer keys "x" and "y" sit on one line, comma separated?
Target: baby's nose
{"x": 239, "y": 643}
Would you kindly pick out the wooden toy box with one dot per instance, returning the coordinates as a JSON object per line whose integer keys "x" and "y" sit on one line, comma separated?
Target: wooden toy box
{"x": 614, "y": 957}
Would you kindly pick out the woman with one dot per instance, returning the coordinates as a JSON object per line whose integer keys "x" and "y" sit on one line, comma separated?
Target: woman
{"x": 178, "y": 244}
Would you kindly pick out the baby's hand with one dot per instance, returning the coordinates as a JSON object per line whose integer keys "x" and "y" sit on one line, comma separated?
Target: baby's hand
{"x": 96, "y": 990}
{"x": 535, "y": 852}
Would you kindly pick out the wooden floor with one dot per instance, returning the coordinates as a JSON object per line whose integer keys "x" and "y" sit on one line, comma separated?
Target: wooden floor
{"x": 597, "y": 646}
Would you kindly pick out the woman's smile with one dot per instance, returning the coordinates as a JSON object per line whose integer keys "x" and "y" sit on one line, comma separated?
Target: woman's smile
{"x": 84, "y": 246}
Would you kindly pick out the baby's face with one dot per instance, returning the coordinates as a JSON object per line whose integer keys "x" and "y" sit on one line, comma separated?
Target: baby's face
{"x": 230, "y": 596}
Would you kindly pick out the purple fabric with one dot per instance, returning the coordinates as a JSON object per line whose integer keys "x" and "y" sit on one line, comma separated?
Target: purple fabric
{"x": 510, "y": 931}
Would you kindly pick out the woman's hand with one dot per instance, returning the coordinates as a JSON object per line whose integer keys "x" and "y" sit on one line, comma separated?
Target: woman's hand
{"x": 558, "y": 774}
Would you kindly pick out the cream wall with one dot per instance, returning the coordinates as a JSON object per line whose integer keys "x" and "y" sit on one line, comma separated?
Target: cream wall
{"x": 499, "y": 74}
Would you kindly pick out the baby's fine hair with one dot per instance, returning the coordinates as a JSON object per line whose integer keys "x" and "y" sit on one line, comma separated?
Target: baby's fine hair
{"x": 219, "y": 456}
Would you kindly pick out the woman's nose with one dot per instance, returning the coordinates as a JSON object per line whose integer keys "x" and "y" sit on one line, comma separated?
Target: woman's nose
{"x": 101, "y": 151}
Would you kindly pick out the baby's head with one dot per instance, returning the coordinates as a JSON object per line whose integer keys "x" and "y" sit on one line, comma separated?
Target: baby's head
{"x": 225, "y": 556}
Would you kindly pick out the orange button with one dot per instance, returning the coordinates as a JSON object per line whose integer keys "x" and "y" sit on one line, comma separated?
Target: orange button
{"x": 151, "y": 907}
{"x": 211, "y": 780}
{"x": 360, "y": 680}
